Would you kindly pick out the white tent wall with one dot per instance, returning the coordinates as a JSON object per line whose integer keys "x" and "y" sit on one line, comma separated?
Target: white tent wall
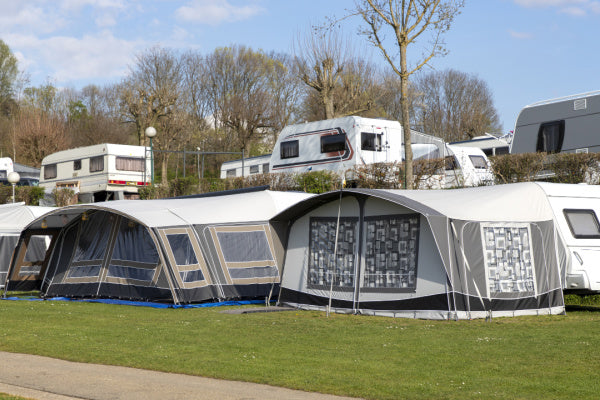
{"x": 500, "y": 261}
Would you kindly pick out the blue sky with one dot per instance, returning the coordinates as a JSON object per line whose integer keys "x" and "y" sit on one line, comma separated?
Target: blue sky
{"x": 526, "y": 50}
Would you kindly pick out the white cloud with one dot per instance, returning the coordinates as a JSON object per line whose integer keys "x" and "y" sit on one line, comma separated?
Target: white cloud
{"x": 574, "y": 11}
{"x": 23, "y": 15}
{"x": 66, "y": 59}
{"x": 214, "y": 12}
{"x": 520, "y": 35}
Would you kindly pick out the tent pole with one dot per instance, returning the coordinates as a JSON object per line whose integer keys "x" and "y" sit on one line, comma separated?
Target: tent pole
{"x": 337, "y": 229}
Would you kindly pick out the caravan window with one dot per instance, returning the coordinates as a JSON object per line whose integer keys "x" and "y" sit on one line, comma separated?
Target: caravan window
{"x": 583, "y": 223}
{"x": 97, "y": 164}
{"x": 76, "y": 165}
{"x": 289, "y": 149}
{"x": 333, "y": 143}
{"x": 550, "y": 136}
{"x": 254, "y": 169}
{"x": 265, "y": 169}
{"x": 130, "y": 164}
{"x": 231, "y": 173}
{"x": 478, "y": 162}
{"x": 50, "y": 171}
{"x": 370, "y": 141}
{"x": 451, "y": 163}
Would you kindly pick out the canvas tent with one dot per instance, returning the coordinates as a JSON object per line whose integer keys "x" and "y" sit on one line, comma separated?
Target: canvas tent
{"x": 13, "y": 218}
{"x": 183, "y": 250}
{"x": 451, "y": 254}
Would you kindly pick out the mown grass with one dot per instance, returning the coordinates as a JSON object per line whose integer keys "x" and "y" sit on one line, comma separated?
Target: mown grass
{"x": 371, "y": 357}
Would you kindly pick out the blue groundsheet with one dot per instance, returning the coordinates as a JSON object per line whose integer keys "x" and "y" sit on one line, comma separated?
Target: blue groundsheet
{"x": 143, "y": 303}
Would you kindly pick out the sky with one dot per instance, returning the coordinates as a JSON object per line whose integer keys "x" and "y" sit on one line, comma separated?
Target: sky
{"x": 525, "y": 50}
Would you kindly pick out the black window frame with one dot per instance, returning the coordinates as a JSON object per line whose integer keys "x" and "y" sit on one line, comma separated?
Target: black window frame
{"x": 541, "y": 145}
{"x": 588, "y": 211}
{"x": 333, "y": 143}
{"x": 371, "y": 141}
{"x": 50, "y": 171}
{"x": 92, "y": 163}
{"x": 76, "y": 165}
{"x": 289, "y": 149}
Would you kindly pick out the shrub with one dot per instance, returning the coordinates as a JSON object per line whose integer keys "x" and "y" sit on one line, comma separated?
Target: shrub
{"x": 64, "y": 197}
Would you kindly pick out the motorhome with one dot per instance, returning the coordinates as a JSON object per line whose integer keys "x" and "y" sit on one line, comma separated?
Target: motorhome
{"x": 341, "y": 144}
{"x": 565, "y": 124}
{"x": 576, "y": 208}
{"x": 99, "y": 172}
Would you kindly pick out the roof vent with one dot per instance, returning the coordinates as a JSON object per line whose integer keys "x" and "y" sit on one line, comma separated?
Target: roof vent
{"x": 580, "y": 104}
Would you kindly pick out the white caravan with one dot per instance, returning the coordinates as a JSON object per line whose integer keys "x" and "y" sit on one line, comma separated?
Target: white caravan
{"x": 245, "y": 167}
{"x": 467, "y": 166}
{"x": 576, "y": 209}
{"x": 99, "y": 172}
{"x": 6, "y": 167}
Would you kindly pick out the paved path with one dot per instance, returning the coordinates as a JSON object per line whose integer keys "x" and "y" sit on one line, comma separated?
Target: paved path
{"x": 46, "y": 378}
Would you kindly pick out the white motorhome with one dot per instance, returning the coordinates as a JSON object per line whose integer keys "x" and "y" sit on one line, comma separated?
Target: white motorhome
{"x": 343, "y": 143}
{"x": 576, "y": 208}
{"x": 99, "y": 172}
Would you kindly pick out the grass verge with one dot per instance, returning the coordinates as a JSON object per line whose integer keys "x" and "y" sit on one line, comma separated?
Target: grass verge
{"x": 370, "y": 357}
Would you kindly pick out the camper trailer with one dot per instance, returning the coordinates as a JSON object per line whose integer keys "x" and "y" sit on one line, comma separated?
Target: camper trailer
{"x": 341, "y": 144}
{"x": 576, "y": 210}
{"x": 6, "y": 167}
{"x": 99, "y": 172}
{"x": 566, "y": 124}
{"x": 246, "y": 166}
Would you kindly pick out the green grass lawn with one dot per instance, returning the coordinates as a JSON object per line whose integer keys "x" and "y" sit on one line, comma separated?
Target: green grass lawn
{"x": 372, "y": 357}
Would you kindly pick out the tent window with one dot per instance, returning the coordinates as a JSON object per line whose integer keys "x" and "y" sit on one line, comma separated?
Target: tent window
{"x": 322, "y": 267}
{"x": 191, "y": 276}
{"x": 97, "y": 164}
{"x": 370, "y": 141}
{"x": 550, "y": 136}
{"x": 333, "y": 143}
{"x": 182, "y": 249}
{"x": 136, "y": 164}
{"x": 93, "y": 237}
{"x": 583, "y": 223}
{"x": 289, "y": 149}
{"x": 50, "y": 171}
{"x": 478, "y": 162}
{"x": 508, "y": 258}
{"x": 84, "y": 271}
{"x": 245, "y": 246}
{"x": 130, "y": 273}
{"x": 36, "y": 248}
{"x": 269, "y": 271}
{"x": 134, "y": 243}
{"x": 391, "y": 252}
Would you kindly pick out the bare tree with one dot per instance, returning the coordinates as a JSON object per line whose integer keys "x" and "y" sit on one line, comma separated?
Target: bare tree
{"x": 455, "y": 105}
{"x": 152, "y": 89}
{"x": 243, "y": 89}
{"x": 407, "y": 20}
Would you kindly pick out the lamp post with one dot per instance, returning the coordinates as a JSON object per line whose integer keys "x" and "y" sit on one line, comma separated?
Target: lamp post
{"x": 151, "y": 132}
{"x": 13, "y": 178}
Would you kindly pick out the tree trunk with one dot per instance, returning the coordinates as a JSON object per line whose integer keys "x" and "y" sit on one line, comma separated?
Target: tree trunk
{"x": 328, "y": 103}
{"x": 408, "y": 154}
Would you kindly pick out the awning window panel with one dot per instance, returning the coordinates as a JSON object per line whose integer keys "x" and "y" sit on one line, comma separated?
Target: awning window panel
{"x": 131, "y": 273}
{"x": 391, "y": 252}
{"x": 254, "y": 272}
{"x": 36, "y": 249}
{"x": 182, "y": 248}
{"x": 84, "y": 271}
{"x": 93, "y": 237}
{"x": 245, "y": 246}
{"x": 134, "y": 243}
{"x": 191, "y": 276}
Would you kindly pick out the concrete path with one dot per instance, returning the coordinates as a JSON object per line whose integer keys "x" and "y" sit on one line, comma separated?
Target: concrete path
{"x": 46, "y": 378}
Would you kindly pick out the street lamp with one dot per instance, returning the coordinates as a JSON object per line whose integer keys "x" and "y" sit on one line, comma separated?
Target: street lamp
{"x": 151, "y": 132}
{"x": 13, "y": 179}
